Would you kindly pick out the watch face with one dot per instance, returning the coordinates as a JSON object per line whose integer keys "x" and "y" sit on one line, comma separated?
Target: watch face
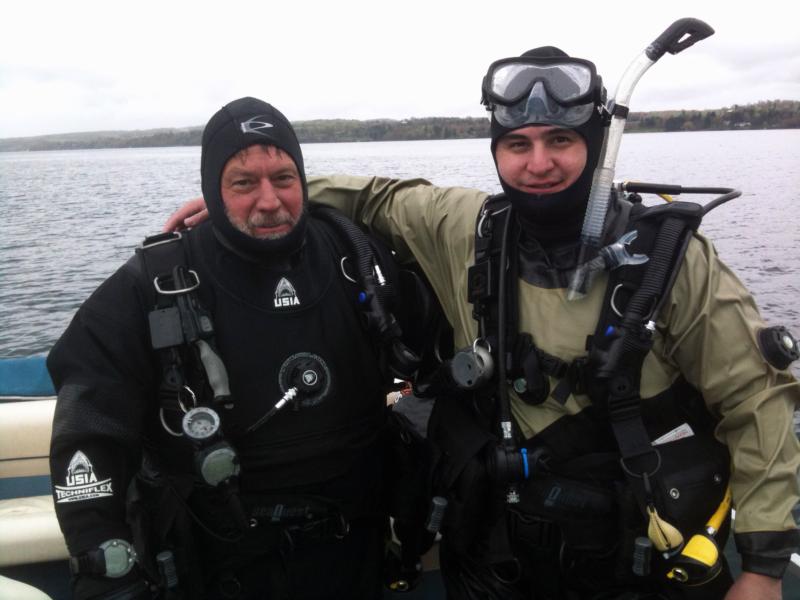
{"x": 119, "y": 557}
{"x": 200, "y": 423}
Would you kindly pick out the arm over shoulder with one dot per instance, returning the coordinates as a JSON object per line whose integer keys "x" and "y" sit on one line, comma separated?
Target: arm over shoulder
{"x": 430, "y": 225}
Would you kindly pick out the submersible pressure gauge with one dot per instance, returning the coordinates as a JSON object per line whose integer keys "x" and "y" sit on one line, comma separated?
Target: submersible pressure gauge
{"x": 201, "y": 423}
{"x": 216, "y": 461}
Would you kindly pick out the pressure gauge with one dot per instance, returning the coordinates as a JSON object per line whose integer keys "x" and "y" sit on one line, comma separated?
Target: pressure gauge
{"x": 201, "y": 423}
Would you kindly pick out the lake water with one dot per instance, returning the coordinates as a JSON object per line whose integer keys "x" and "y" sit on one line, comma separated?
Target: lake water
{"x": 70, "y": 218}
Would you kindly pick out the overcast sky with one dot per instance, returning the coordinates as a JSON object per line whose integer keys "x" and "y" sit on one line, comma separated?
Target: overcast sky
{"x": 103, "y": 65}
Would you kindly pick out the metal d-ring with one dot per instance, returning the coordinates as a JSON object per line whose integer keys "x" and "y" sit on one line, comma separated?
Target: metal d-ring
{"x": 180, "y": 291}
{"x": 344, "y": 528}
{"x": 639, "y": 475}
{"x": 485, "y": 213}
{"x": 344, "y": 272}
{"x": 164, "y": 424}
{"x": 485, "y": 341}
{"x": 194, "y": 399}
{"x": 183, "y": 408}
{"x": 479, "y": 228}
{"x": 613, "y": 298}
{"x": 174, "y": 236}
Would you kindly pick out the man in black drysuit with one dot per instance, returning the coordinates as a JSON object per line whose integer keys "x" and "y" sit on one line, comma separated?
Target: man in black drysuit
{"x": 230, "y": 428}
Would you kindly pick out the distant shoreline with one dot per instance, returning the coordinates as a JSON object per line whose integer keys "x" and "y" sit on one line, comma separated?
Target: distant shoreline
{"x": 771, "y": 114}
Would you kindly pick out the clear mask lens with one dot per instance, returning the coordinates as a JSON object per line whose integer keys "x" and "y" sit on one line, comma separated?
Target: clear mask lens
{"x": 540, "y": 107}
{"x": 565, "y": 83}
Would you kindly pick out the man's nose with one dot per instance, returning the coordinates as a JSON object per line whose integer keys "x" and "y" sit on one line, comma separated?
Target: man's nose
{"x": 540, "y": 160}
{"x": 267, "y": 196}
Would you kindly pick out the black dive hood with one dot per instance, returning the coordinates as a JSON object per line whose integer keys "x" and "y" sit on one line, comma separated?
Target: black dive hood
{"x": 242, "y": 123}
{"x": 558, "y": 217}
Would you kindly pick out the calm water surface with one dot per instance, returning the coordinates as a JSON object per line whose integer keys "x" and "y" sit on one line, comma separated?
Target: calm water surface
{"x": 69, "y": 219}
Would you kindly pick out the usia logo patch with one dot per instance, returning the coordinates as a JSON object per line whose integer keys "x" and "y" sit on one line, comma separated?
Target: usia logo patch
{"x": 81, "y": 482}
{"x": 285, "y": 294}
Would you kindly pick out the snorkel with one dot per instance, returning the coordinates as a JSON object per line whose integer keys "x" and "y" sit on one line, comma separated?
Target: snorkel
{"x": 676, "y": 38}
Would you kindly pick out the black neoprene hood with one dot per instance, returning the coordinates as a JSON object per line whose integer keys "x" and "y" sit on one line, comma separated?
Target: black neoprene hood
{"x": 237, "y": 125}
{"x": 558, "y": 215}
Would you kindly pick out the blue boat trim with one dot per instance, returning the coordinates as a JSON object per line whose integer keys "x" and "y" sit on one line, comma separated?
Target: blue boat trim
{"x": 22, "y": 487}
{"x": 25, "y": 376}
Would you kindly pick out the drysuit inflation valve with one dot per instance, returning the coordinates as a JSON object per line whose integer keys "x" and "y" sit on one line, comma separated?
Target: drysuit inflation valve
{"x": 778, "y": 346}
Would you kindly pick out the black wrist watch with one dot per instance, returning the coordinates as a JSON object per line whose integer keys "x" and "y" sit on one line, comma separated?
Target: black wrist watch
{"x": 113, "y": 558}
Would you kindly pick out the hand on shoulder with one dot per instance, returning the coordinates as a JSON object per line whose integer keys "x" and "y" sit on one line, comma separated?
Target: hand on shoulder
{"x": 191, "y": 213}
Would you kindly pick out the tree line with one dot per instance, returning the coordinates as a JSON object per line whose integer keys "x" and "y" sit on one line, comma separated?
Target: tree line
{"x": 771, "y": 114}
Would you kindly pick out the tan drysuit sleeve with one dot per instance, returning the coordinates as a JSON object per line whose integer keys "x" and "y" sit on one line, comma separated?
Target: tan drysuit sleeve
{"x": 711, "y": 335}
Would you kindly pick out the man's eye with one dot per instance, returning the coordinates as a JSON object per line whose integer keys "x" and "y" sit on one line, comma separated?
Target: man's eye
{"x": 563, "y": 139}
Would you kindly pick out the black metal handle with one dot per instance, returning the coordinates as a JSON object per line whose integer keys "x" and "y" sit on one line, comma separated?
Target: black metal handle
{"x": 678, "y": 36}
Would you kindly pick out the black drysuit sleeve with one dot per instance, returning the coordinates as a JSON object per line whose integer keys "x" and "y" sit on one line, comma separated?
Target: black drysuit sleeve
{"x": 105, "y": 374}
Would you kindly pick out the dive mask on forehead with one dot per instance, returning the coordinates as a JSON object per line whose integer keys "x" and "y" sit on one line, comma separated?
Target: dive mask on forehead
{"x": 555, "y": 91}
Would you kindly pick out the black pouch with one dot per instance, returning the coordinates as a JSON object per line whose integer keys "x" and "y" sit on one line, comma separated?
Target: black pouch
{"x": 693, "y": 478}
{"x": 160, "y": 521}
{"x": 460, "y": 471}
{"x": 409, "y": 466}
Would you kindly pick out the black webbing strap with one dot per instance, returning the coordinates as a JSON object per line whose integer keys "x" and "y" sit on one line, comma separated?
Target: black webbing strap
{"x": 523, "y": 357}
{"x": 632, "y": 340}
{"x": 483, "y": 277}
{"x": 160, "y": 255}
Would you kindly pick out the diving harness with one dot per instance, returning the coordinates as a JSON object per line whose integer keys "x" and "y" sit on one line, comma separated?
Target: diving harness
{"x": 642, "y": 268}
{"x": 182, "y": 335}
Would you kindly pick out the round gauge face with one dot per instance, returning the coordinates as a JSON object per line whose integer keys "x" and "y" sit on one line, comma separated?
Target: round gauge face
{"x": 119, "y": 557}
{"x": 200, "y": 423}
